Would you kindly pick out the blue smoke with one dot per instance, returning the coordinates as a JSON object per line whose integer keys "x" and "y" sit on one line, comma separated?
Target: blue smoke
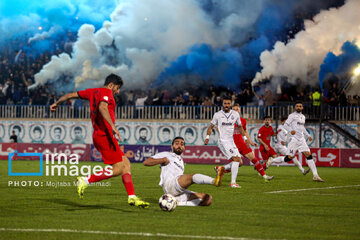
{"x": 22, "y": 19}
{"x": 222, "y": 66}
{"x": 339, "y": 65}
{"x": 229, "y": 65}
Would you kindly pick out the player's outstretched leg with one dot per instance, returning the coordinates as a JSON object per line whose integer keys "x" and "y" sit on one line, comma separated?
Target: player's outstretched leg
{"x": 312, "y": 166}
{"x": 197, "y": 199}
{"x": 258, "y": 167}
{"x": 123, "y": 169}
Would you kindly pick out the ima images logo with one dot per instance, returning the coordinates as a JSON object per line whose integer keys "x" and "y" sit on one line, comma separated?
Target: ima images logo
{"x": 57, "y": 165}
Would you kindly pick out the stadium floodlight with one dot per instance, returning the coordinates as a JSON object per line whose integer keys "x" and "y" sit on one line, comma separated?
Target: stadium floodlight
{"x": 357, "y": 70}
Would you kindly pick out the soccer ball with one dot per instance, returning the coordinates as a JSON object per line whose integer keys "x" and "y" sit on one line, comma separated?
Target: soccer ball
{"x": 167, "y": 202}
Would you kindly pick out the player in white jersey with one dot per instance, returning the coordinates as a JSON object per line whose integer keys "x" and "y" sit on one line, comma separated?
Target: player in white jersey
{"x": 295, "y": 124}
{"x": 225, "y": 121}
{"x": 281, "y": 149}
{"x": 174, "y": 181}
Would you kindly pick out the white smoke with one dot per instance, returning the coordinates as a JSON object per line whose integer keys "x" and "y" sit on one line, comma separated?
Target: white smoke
{"x": 45, "y": 34}
{"x": 302, "y": 56}
{"x": 144, "y": 37}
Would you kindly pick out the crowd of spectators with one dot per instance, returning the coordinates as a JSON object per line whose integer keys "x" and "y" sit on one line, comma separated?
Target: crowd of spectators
{"x": 19, "y": 62}
{"x": 18, "y": 67}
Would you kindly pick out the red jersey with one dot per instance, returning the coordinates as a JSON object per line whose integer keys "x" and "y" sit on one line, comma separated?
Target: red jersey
{"x": 243, "y": 123}
{"x": 95, "y": 96}
{"x": 265, "y": 134}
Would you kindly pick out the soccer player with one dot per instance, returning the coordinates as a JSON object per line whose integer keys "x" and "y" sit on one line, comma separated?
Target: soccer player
{"x": 244, "y": 149}
{"x": 264, "y": 137}
{"x": 174, "y": 181}
{"x": 225, "y": 121}
{"x": 281, "y": 149}
{"x": 295, "y": 124}
{"x": 102, "y": 105}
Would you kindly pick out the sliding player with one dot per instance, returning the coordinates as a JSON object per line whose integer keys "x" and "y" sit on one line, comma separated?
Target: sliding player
{"x": 174, "y": 181}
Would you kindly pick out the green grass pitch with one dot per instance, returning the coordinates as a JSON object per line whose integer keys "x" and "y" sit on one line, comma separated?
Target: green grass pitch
{"x": 246, "y": 213}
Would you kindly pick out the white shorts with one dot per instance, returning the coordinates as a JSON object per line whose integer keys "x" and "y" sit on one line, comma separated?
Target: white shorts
{"x": 173, "y": 187}
{"x": 229, "y": 149}
{"x": 297, "y": 145}
{"x": 281, "y": 149}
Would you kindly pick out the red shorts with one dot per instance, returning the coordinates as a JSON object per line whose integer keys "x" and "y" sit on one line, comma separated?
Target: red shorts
{"x": 266, "y": 154}
{"x": 241, "y": 145}
{"x": 109, "y": 149}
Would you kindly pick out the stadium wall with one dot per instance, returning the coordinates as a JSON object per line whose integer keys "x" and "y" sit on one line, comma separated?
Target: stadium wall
{"x": 153, "y": 132}
{"x": 324, "y": 157}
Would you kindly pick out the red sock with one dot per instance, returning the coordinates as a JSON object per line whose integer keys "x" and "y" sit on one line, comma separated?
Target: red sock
{"x": 258, "y": 166}
{"x": 264, "y": 166}
{"x": 100, "y": 176}
{"x": 128, "y": 183}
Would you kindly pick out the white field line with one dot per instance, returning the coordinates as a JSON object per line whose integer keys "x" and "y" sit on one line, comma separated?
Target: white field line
{"x": 123, "y": 233}
{"x": 309, "y": 189}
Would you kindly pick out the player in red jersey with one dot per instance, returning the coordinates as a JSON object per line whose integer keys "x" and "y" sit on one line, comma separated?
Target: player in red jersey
{"x": 264, "y": 137}
{"x": 244, "y": 149}
{"x": 102, "y": 106}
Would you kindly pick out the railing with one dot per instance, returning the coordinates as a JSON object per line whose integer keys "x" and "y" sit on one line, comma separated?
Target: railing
{"x": 179, "y": 112}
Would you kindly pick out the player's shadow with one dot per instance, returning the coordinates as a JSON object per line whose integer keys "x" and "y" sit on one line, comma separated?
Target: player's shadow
{"x": 75, "y": 206}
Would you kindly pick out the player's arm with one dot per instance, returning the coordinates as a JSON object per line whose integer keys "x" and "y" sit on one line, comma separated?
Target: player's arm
{"x": 64, "y": 98}
{"x": 208, "y": 133}
{"x": 104, "y": 111}
{"x": 155, "y": 161}
{"x": 264, "y": 144}
{"x": 243, "y": 133}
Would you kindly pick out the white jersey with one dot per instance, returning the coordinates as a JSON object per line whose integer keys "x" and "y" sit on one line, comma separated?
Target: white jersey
{"x": 226, "y": 124}
{"x": 282, "y": 135}
{"x": 173, "y": 169}
{"x": 296, "y": 122}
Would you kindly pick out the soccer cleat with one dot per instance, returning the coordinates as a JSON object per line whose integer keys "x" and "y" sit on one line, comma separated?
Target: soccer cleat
{"x": 306, "y": 171}
{"x": 234, "y": 185}
{"x": 81, "y": 186}
{"x": 268, "y": 178}
{"x": 219, "y": 175}
{"x": 318, "y": 179}
{"x": 269, "y": 162}
{"x": 136, "y": 201}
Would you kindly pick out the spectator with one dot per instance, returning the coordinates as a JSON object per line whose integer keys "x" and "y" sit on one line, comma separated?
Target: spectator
{"x": 269, "y": 98}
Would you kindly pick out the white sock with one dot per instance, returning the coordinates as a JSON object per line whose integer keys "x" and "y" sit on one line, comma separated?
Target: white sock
{"x": 312, "y": 166}
{"x": 202, "y": 179}
{"x": 278, "y": 159}
{"x": 192, "y": 203}
{"x": 298, "y": 164}
{"x": 228, "y": 166}
{"x": 234, "y": 171}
